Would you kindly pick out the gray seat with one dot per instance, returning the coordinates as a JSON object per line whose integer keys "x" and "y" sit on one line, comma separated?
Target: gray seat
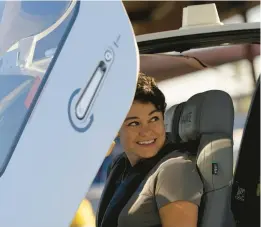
{"x": 205, "y": 124}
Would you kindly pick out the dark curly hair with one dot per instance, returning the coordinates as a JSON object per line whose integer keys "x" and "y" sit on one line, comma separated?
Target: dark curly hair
{"x": 147, "y": 91}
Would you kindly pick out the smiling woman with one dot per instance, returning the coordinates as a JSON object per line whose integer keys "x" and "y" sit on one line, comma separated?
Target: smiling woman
{"x": 142, "y": 134}
{"x": 146, "y": 185}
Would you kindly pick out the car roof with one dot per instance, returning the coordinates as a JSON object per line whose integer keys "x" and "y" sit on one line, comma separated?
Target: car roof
{"x": 198, "y": 30}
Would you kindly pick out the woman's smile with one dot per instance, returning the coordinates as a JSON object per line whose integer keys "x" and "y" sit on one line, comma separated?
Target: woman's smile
{"x": 142, "y": 133}
{"x": 147, "y": 143}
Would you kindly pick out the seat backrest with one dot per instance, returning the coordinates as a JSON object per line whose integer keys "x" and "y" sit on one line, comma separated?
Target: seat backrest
{"x": 206, "y": 120}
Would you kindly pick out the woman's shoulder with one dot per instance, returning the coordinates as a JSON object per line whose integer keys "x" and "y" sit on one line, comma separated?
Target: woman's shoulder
{"x": 175, "y": 157}
{"x": 175, "y": 163}
{"x": 176, "y": 178}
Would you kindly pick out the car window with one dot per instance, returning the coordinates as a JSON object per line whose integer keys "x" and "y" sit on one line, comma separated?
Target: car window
{"x": 30, "y": 36}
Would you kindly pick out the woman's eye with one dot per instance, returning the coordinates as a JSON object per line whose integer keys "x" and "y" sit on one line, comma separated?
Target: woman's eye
{"x": 134, "y": 123}
{"x": 154, "y": 119}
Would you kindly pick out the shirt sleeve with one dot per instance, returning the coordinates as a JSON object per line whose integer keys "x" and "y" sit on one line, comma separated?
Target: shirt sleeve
{"x": 178, "y": 180}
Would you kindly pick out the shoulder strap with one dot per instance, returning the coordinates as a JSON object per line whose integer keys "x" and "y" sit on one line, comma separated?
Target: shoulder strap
{"x": 115, "y": 163}
{"x": 113, "y": 174}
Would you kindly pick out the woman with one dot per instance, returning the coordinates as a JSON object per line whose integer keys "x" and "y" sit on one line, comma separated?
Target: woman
{"x": 151, "y": 183}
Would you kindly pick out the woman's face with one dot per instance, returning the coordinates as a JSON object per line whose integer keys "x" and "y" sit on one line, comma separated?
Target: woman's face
{"x": 142, "y": 134}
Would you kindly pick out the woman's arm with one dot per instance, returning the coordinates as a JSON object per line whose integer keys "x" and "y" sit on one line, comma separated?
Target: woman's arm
{"x": 178, "y": 192}
{"x": 179, "y": 214}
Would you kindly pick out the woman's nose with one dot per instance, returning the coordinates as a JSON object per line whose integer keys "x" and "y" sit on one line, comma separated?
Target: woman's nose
{"x": 144, "y": 130}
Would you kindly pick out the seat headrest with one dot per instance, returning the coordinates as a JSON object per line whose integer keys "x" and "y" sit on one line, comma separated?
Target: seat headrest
{"x": 204, "y": 113}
